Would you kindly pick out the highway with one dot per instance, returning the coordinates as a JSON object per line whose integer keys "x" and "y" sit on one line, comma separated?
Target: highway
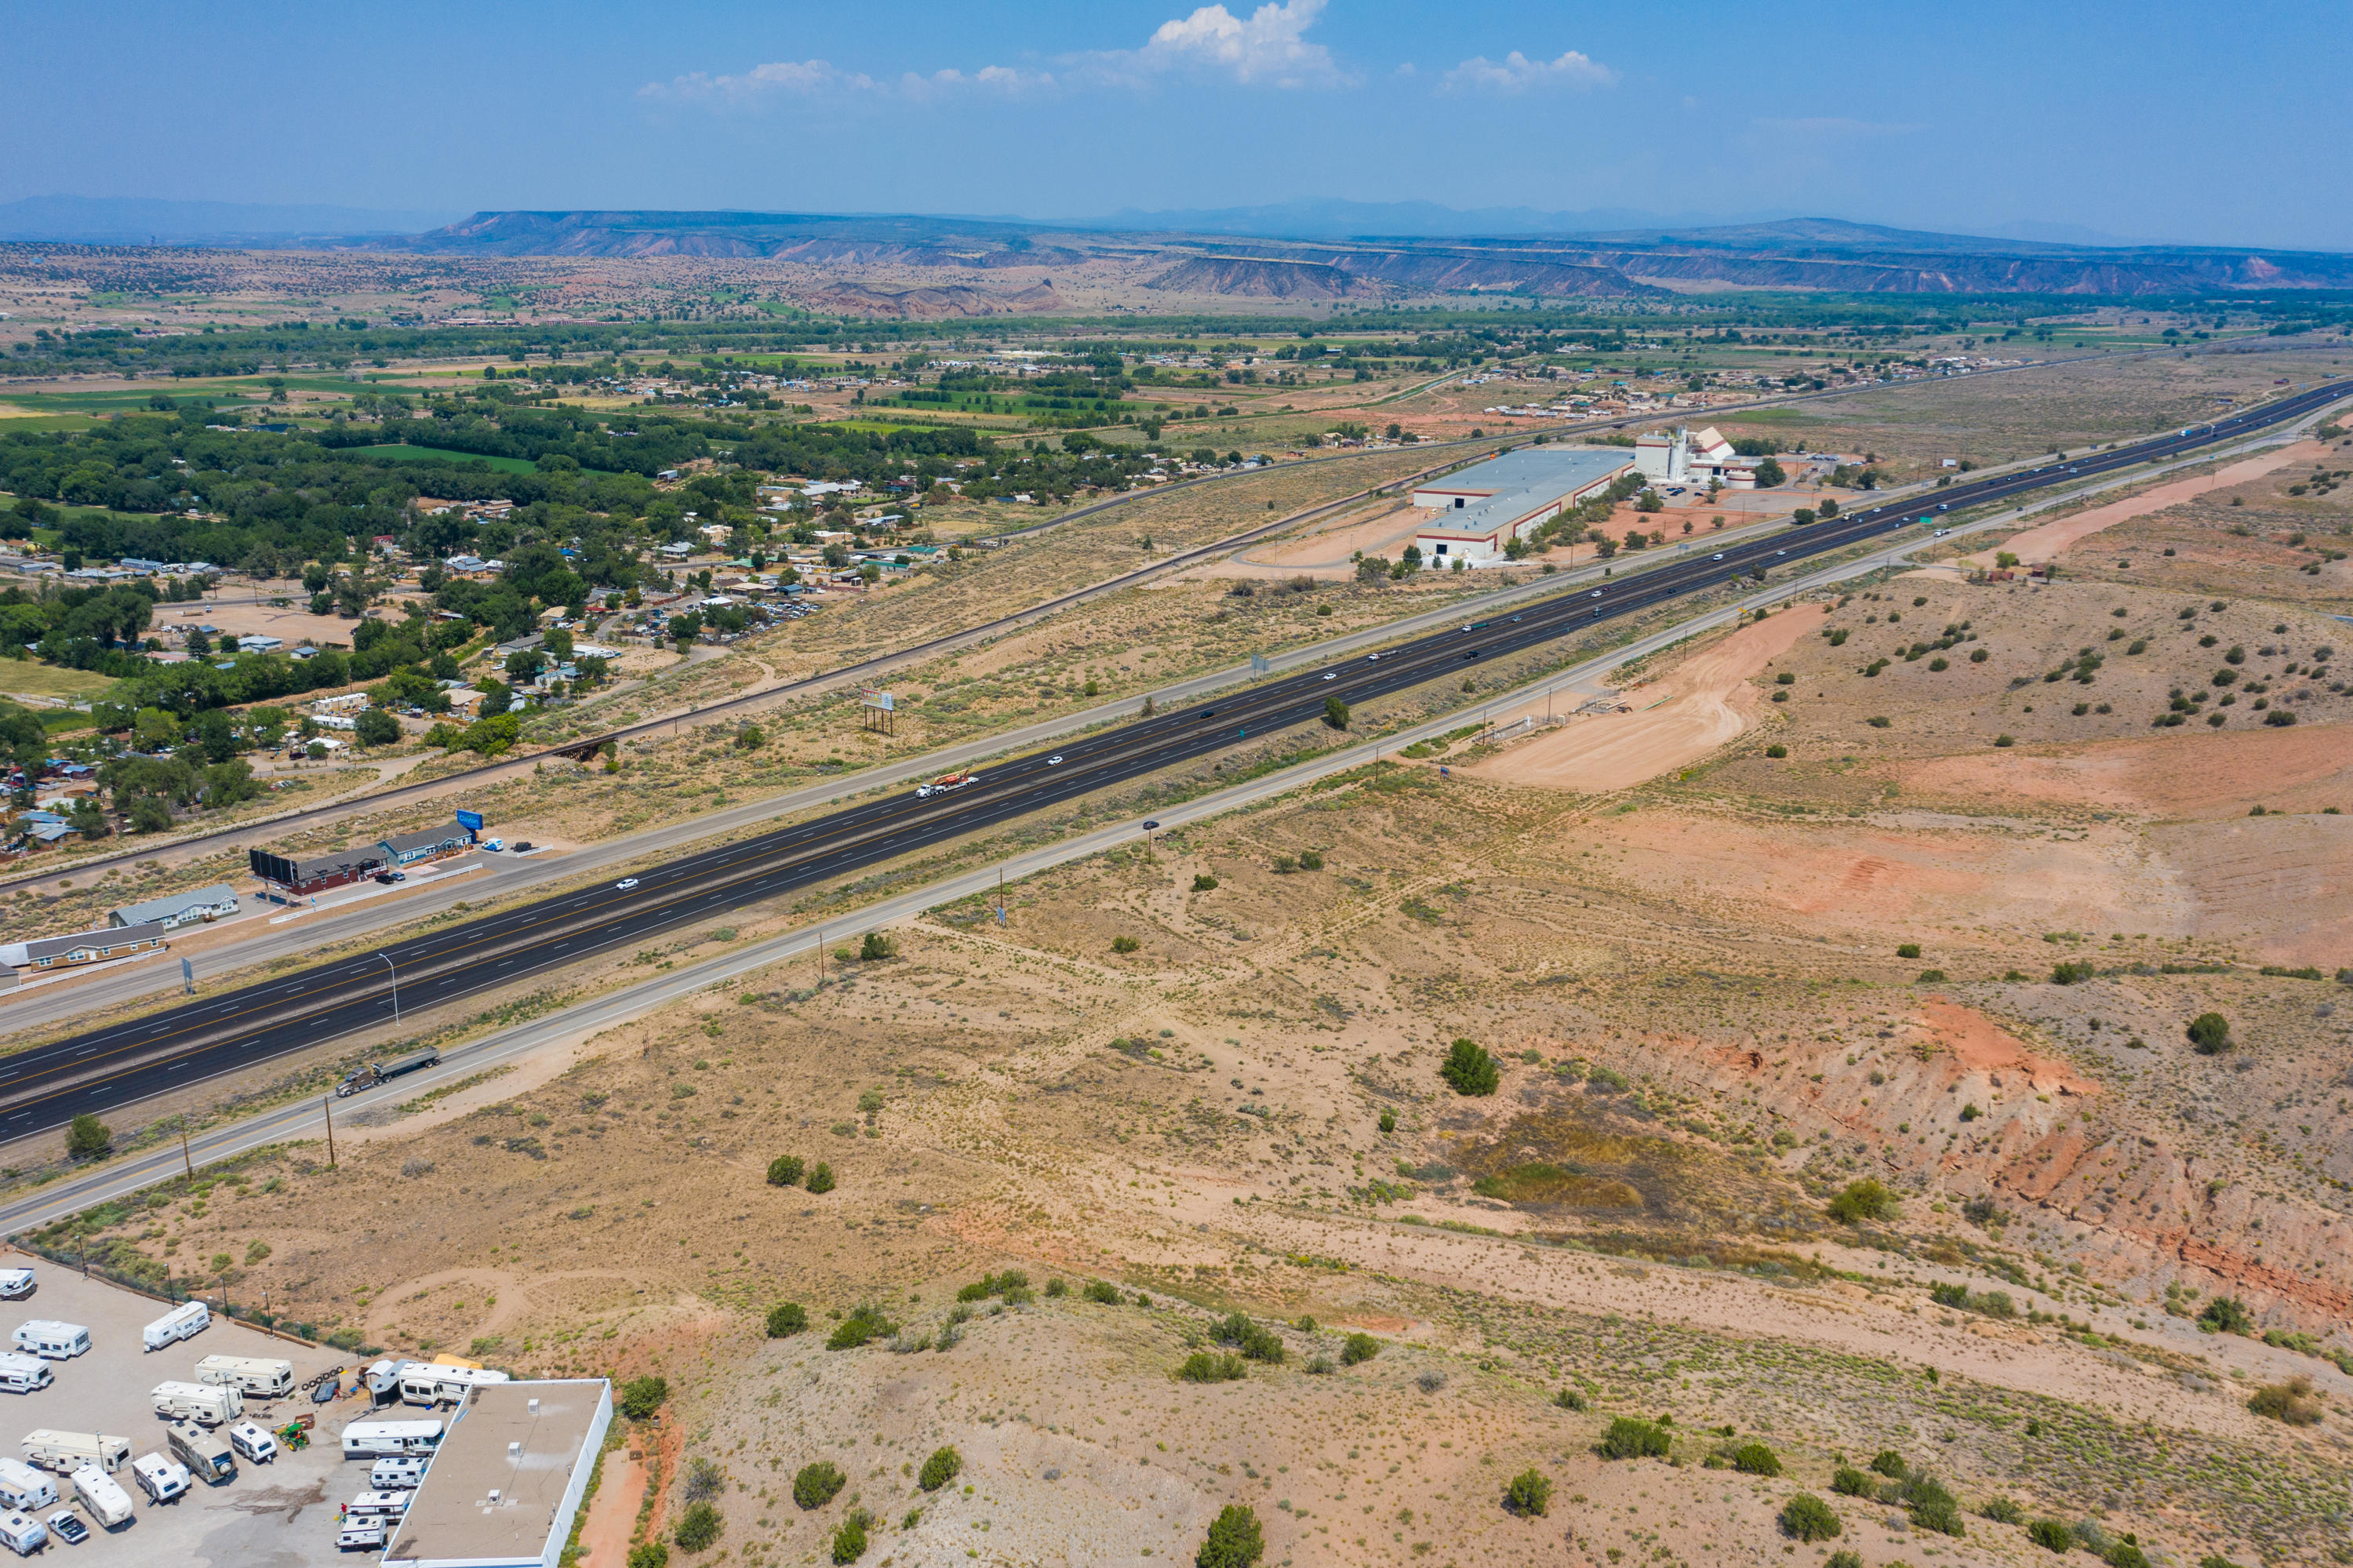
{"x": 43, "y": 1087}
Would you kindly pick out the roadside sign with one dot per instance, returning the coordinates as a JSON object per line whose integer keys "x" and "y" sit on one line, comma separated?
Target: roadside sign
{"x": 470, "y": 821}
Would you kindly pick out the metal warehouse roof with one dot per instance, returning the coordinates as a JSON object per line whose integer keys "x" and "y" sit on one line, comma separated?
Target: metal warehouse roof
{"x": 1504, "y": 489}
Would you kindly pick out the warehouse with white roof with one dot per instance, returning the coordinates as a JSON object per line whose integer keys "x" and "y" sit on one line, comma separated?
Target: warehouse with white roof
{"x": 1486, "y": 506}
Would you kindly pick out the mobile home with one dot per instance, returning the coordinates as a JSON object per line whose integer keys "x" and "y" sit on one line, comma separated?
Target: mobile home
{"x": 203, "y": 1452}
{"x": 21, "y": 1485}
{"x": 65, "y": 1452}
{"x": 106, "y": 1502}
{"x": 21, "y": 1373}
{"x": 257, "y": 1377}
{"x": 185, "y": 1322}
{"x": 53, "y": 1340}
{"x": 208, "y": 1403}
{"x": 15, "y": 1284}
{"x": 377, "y": 1505}
{"x": 389, "y": 1439}
{"x": 429, "y": 1384}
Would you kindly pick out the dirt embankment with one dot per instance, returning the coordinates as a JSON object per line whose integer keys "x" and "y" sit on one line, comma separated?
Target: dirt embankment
{"x": 2045, "y": 542}
{"x": 1702, "y": 702}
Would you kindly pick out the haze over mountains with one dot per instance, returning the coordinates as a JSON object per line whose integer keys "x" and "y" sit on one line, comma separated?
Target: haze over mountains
{"x": 1309, "y": 251}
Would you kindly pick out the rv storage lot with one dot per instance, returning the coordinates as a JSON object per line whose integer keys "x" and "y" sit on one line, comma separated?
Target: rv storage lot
{"x": 278, "y": 1515}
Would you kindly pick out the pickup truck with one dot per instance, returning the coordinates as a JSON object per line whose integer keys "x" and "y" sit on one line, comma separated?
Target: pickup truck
{"x": 376, "y": 1073}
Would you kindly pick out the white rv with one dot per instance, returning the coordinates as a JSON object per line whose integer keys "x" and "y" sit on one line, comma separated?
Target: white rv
{"x": 261, "y": 1377}
{"x": 377, "y": 1505}
{"x": 383, "y": 1380}
{"x": 162, "y": 1479}
{"x": 185, "y": 1322}
{"x": 21, "y": 1373}
{"x": 66, "y": 1452}
{"x": 429, "y": 1383}
{"x": 404, "y": 1475}
{"x": 21, "y": 1533}
{"x": 256, "y": 1444}
{"x": 203, "y": 1452}
{"x": 390, "y": 1439}
{"x": 210, "y": 1403}
{"x": 107, "y": 1502}
{"x": 53, "y": 1340}
{"x": 23, "y": 1487}
{"x": 15, "y": 1284}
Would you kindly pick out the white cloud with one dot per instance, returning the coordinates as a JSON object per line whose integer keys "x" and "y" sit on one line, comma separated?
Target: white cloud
{"x": 1517, "y": 73}
{"x": 1834, "y": 128}
{"x": 779, "y": 78}
{"x": 1271, "y": 48}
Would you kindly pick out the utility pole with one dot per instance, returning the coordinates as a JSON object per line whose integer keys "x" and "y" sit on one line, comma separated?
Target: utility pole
{"x": 820, "y": 958}
{"x": 188, "y": 1164}
{"x": 327, "y": 1102}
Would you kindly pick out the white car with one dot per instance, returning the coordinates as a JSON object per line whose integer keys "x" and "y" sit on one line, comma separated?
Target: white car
{"x": 495, "y": 845}
{"x": 1333, "y": 676}
{"x": 1372, "y": 658}
{"x": 1055, "y": 761}
{"x": 626, "y": 884}
{"x": 1717, "y": 556}
{"x": 1595, "y": 594}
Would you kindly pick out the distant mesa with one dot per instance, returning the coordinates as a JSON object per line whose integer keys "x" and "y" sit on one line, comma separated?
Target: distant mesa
{"x": 933, "y": 305}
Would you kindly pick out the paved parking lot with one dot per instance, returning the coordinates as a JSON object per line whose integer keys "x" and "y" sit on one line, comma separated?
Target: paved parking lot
{"x": 280, "y": 1515}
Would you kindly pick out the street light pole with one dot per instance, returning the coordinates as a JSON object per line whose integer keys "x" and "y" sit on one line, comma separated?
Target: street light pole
{"x": 396, "y": 987}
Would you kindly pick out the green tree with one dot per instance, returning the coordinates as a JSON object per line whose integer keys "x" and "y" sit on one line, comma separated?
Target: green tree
{"x": 642, "y": 1396}
{"x": 815, "y": 1484}
{"x": 2211, "y": 1034}
{"x": 698, "y": 1527}
{"x": 1234, "y": 1539}
{"x": 1530, "y": 1494}
{"x": 86, "y": 1138}
{"x": 376, "y": 727}
{"x": 786, "y": 1318}
{"x": 1358, "y": 1348}
{"x": 820, "y": 1177}
{"x": 1806, "y": 1517}
{"x": 1864, "y": 1200}
{"x": 650, "y": 1554}
{"x": 850, "y": 1540}
{"x": 942, "y": 1468}
{"x": 1336, "y": 712}
{"x": 1470, "y": 1070}
{"x": 785, "y": 1171}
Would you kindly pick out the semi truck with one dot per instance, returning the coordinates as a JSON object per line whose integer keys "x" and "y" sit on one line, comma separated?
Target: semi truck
{"x": 376, "y": 1073}
{"x": 207, "y": 1403}
{"x": 945, "y": 783}
{"x": 259, "y": 1377}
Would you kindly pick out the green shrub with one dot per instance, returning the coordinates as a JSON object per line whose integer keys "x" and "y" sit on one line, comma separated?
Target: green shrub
{"x": 1233, "y": 1541}
{"x": 1204, "y": 883}
{"x": 2293, "y": 1402}
{"x": 2226, "y": 1315}
{"x": 650, "y": 1554}
{"x": 1310, "y": 861}
{"x": 1529, "y": 1495}
{"x": 1358, "y": 1348}
{"x": 698, "y": 1527}
{"x": 2211, "y": 1034}
{"x": 1806, "y": 1517}
{"x": 1889, "y": 1463}
{"x": 2051, "y": 1535}
{"x": 1933, "y": 1507}
{"x": 2002, "y": 1510}
{"x": 1057, "y": 1287}
{"x": 1776, "y": 751}
{"x": 1908, "y": 950}
{"x": 1930, "y": 977}
{"x": 1124, "y": 944}
{"x": 2125, "y": 1554}
{"x": 786, "y": 1318}
{"x": 1569, "y": 1399}
{"x": 1470, "y": 1070}
{"x": 641, "y": 1397}
{"x": 1254, "y": 1340}
{"x": 1863, "y": 1200}
{"x": 86, "y": 1138}
{"x": 1632, "y": 1438}
{"x": 2070, "y": 973}
{"x": 989, "y": 1284}
{"x": 943, "y": 1467}
{"x": 865, "y": 1322}
{"x": 1755, "y": 1459}
{"x": 876, "y": 947}
{"x": 1102, "y": 1290}
{"x": 1849, "y": 1482}
{"x": 1844, "y": 1559}
{"x": 814, "y": 1486}
{"x": 1389, "y": 1121}
{"x": 850, "y": 1540}
{"x": 820, "y": 1177}
{"x": 1208, "y": 1366}
{"x": 785, "y": 1171}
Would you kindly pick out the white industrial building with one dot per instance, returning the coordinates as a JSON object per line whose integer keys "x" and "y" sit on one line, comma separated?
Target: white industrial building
{"x": 1686, "y": 459}
{"x": 1486, "y": 506}
{"x": 508, "y": 1478}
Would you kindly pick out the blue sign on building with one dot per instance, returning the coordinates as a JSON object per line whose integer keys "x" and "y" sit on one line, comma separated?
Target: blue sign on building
{"x": 470, "y": 821}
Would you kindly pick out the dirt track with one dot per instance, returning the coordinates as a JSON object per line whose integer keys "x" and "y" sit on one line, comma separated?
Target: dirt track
{"x": 1702, "y": 704}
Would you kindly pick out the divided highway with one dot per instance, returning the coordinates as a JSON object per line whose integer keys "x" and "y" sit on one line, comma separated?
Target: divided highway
{"x": 45, "y": 1086}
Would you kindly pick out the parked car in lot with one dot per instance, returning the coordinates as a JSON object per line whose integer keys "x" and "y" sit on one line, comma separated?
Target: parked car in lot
{"x": 67, "y": 1527}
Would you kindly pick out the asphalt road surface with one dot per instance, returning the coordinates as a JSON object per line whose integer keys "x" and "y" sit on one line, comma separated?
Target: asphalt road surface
{"x": 44, "y": 1087}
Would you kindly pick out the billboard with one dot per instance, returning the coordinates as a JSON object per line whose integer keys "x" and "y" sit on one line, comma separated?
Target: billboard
{"x": 872, "y": 698}
{"x": 470, "y": 821}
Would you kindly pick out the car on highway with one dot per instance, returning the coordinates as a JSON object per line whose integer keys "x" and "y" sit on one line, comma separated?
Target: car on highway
{"x": 1941, "y": 533}
{"x": 1717, "y": 556}
{"x": 67, "y": 1527}
{"x": 1334, "y": 675}
{"x": 626, "y": 884}
{"x": 1055, "y": 761}
{"x": 1595, "y": 594}
{"x": 1372, "y": 658}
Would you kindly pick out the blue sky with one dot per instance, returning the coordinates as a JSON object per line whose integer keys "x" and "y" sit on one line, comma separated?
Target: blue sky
{"x": 2190, "y": 122}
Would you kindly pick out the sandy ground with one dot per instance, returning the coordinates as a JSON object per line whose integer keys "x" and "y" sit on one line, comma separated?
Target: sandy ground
{"x": 605, "y": 1535}
{"x": 1705, "y": 702}
{"x": 2178, "y": 775}
{"x": 2044, "y": 542}
{"x": 292, "y": 624}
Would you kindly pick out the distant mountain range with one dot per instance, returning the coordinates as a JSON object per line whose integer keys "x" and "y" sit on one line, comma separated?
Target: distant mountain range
{"x": 1303, "y": 250}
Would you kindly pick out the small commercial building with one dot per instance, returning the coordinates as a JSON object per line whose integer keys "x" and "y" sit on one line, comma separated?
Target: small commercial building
{"x": 508, "y": 1478}
{"x": 1486, "y": 506}
{"x": 432, "y": 844}
{"x": 284, "y": 876}
{"x": 82, "y": 948}
{"x": 174, "y": 910}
